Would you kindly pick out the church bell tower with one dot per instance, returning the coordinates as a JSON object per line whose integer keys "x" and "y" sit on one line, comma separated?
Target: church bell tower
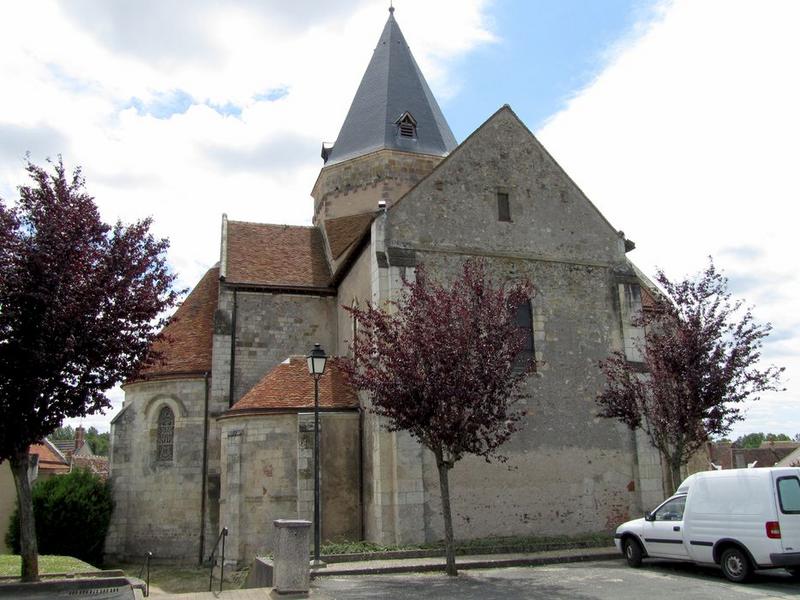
{"x": 393, "y": 136}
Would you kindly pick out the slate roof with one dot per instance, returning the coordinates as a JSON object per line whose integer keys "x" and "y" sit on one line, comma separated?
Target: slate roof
{"x": 66, "y": 447}
{"x": 343, "y": 232}
{"x": 275, "y": 255}
{"x": 186, "y": 347}
{"x": 290, "y": 386}
{"x": 392, "y": 85}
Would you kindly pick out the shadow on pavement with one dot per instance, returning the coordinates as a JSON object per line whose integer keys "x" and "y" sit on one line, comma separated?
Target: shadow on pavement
{"x": 770, "y": 580}
{"x": 463, "y": 587}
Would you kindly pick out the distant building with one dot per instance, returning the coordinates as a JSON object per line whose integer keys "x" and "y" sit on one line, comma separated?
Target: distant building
{"x": 220, "y": 434}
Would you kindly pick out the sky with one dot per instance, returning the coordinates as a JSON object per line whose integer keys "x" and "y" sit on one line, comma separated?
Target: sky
{"x": 678, "y": 119}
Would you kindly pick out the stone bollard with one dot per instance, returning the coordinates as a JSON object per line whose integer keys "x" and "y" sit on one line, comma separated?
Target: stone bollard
{"x": 291, "y": 570}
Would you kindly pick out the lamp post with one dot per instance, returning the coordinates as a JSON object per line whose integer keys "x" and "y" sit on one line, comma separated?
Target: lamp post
{"x": 316, "y": 367}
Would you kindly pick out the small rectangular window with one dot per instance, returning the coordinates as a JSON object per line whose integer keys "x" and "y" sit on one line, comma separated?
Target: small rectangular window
{"x": 789, "y": 494}
{"x": 503, "y": 208}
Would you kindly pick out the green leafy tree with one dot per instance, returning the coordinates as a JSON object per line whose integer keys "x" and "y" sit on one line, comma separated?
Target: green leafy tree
{"x": 97, "y": 441}
{"x": 63, "y": 433}
{"x": 754, "y": 440}
{"x": 81, "y": 304}
{"x": 72, "y": 513}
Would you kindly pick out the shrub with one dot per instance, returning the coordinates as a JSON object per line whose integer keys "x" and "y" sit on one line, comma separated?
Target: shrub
{"x": 72, "y": 514}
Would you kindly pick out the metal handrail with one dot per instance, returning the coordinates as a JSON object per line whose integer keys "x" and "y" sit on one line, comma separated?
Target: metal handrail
{"x": 146, "y": 569}
{"x": 221, "y": 537}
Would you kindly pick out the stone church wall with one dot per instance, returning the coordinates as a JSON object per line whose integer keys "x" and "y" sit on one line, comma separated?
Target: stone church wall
{"x": 569, "y": 471}
{"x": 157, "y": 503}
{"x": 268, "y": 474}
{"x": 270, "y": 327}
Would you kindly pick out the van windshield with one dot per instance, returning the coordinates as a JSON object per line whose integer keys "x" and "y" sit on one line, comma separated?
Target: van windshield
{"x": 789, "y": 494}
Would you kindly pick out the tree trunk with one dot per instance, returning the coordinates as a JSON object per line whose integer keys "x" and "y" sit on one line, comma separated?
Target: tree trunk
{"x": 449, "y": 544}
{"x": 27, "y": 527}
{"x": 675, "y": 474}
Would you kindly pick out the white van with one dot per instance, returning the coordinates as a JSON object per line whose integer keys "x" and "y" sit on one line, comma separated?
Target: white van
{"x": 739, "y": 519}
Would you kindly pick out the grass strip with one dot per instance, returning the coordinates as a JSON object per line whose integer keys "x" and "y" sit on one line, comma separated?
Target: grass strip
{"x": 11, "y": 565}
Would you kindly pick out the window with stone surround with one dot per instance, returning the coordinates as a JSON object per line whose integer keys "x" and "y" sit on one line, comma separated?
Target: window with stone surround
{"x": 503, "y": 207}
{"x": 165, "y": 434}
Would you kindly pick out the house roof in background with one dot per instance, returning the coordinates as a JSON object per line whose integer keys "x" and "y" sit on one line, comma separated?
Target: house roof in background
{"x": 50, "y": 458}
{"x": 290, "y": 386}
{"x": 275, "y": 255}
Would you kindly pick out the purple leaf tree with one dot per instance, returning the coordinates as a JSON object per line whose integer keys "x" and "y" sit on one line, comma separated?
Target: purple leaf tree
{"x": 445, "y": 363}
{"x": 701, "y": 354}
{"x": 80, "y": 304}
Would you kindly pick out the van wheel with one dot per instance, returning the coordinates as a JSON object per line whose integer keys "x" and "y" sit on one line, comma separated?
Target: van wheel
{"x": 633, "y": 552}
{"x": 735, "y": 565}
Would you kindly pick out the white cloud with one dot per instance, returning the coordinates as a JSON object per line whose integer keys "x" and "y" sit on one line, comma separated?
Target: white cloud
{"x": 687, "y": 141}
{"x": 130, "y": 94}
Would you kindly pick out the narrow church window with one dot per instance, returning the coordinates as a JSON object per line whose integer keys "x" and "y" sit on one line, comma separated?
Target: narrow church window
{"x": 503, "y": 207}
{"x": 524, "y": 319}
{"x": 166, "y": 433}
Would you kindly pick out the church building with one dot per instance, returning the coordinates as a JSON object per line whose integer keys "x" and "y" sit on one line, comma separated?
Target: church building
{"x": 220, "y": 433}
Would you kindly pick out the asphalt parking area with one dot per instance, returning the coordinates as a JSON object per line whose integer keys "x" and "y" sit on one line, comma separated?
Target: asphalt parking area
{"x": 606, "y": 580}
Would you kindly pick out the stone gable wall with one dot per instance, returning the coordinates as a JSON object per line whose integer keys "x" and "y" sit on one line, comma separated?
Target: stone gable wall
{"x": 569, "y": 471}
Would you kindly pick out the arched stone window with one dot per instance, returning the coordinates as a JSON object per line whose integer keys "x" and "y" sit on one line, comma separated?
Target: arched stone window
{"x": 165, "y": 434}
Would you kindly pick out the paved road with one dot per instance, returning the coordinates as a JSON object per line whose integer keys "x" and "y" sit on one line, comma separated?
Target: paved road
{"x": 608, "y": 580}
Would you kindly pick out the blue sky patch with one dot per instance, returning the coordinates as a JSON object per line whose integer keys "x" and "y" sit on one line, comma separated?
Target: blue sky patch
{"x": 545, "y": 53}
{"x": 272, "y": 95}
{"x": 163, "y": 105}
{"x": 229, "y": 109}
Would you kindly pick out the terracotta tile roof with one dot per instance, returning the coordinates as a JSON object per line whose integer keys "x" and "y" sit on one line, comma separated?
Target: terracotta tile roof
{"x": 49, "y": 459}
{"x": 186, "y": 347}
{"x": 96, "y": 464}
{"x": 345, "y": 231}
{"x": 280, "y": 255}
{"x": 290, "y": 386}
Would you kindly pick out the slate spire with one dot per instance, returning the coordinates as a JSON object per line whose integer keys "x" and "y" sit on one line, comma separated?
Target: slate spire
{"x": 393, "y": 107}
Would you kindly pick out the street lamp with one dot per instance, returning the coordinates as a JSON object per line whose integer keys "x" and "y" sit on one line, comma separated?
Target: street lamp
{"x": 316, "y": 367}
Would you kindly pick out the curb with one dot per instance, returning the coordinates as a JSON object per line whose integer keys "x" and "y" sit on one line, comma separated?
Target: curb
{"x": 530, "y": 561}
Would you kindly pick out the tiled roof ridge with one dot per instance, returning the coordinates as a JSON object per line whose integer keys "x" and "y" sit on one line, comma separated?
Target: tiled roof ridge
{"x": 288, "y": 385}
{"x": 284, "y": 225}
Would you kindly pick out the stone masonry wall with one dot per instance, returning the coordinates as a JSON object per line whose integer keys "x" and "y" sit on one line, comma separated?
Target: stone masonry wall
{"x": 157, "y": 503}
{"x": 268, "y": 474}
{"x": 355, "y": 186}
{"x": 270, "y": 327}
{"x": 569, "y": 471}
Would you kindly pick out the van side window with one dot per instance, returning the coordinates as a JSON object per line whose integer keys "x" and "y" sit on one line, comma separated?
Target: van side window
{"x": 789, "y": 494}
{"x": 671, "y": 511}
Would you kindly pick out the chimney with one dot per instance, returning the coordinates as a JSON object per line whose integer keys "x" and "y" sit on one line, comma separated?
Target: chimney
{"x": 79, "y": 439}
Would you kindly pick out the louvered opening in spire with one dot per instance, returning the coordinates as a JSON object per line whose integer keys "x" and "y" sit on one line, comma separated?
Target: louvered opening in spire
{"x": 392, "y": 85}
